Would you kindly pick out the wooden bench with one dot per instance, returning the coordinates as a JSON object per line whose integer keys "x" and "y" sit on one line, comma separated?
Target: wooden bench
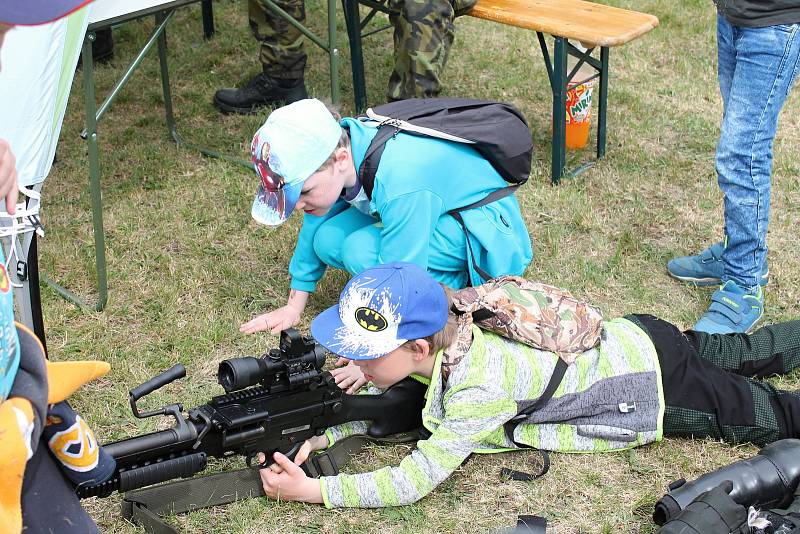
{"x": 596, "y": 26}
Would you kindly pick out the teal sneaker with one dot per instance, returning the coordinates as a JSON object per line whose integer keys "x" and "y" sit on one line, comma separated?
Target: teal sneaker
{"x": 732, "y": 310}
{"x": 706, "y": 268}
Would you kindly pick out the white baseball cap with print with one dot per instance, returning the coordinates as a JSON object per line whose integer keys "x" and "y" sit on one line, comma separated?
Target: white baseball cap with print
{"x": 292, "y": 145}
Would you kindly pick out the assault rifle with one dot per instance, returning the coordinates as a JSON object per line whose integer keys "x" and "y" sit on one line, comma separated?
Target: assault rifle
{"x": 272, "y": 403}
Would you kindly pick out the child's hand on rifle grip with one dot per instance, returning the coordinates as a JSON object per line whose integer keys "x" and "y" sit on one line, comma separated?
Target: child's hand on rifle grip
{"x": 285, "y": 480}
{"x": 348, "y": 376}
{"x": 317, "y": 443}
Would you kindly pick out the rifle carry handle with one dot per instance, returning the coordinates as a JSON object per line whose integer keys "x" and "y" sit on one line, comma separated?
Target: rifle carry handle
{"x": 170, "y": 375}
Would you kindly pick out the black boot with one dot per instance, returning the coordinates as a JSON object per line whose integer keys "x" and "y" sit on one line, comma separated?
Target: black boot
{"x": 261, "y": 90}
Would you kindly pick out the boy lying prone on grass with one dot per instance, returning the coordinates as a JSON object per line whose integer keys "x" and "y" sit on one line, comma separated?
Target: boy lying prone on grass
{"x": 646, "y": 379}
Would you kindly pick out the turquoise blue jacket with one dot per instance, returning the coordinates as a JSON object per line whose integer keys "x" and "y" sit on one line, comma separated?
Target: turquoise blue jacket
{"x": 419, "y": 179}
{"x": 9, "y": 345}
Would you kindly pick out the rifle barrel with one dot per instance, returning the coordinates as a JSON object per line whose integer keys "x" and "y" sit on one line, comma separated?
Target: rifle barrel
{"x": 160, "y": 442}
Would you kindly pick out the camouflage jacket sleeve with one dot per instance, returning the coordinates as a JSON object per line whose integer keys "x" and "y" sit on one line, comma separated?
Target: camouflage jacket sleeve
{"x": 471, "y": 414}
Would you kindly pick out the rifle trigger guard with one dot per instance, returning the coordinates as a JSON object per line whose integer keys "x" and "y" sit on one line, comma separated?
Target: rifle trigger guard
{"x": 268, "y": 457}
{"x": 252, "y": 463}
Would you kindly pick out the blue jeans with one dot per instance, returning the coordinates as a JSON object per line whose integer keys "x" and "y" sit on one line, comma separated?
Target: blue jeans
{"x": 756, "y": 69}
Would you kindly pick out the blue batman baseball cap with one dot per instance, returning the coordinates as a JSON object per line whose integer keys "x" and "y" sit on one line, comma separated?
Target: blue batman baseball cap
{"x": 380, "y": 309}
{"x": 33, "y": 12}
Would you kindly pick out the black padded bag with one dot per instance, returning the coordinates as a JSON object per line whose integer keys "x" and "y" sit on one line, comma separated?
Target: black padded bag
{"x": 712, "y": 512}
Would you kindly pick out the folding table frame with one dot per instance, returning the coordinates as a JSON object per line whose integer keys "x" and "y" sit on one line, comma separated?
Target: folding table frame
{"x": 162, "y": 13}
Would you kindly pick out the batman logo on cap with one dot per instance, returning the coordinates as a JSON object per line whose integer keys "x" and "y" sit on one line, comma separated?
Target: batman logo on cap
{"x": 371, "y": 320}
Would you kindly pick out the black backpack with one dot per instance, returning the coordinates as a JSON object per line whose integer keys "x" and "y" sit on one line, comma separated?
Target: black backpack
{"x": 496, "y": 130}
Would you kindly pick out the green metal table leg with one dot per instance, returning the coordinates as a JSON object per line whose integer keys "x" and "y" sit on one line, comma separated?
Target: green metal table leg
{"x": 128, "y": 74}
{"x": 93, "y": 116}
{"x": 169, "y": 114}
{"x": 165, "y": 87}
{"x": 559, "y": 87}
{"x": 333, "y": 52}
{"x": 208, "y": 18}
{"x": 559, "y": 80}
{"x": 94, "y": 181}
{"x": 352, "y": 20}
{"x": 602, "y": 104}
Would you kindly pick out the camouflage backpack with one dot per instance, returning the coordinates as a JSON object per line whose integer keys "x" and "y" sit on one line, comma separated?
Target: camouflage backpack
{"x": 541, "y": 316}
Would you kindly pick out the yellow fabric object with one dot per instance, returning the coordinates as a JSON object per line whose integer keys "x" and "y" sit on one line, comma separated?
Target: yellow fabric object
{"x": 16, "y": 422}
{"x": 64, "y": 378}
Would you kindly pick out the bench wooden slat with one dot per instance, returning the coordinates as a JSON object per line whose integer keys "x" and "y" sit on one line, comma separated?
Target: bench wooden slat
{"x": 587, "y": 22}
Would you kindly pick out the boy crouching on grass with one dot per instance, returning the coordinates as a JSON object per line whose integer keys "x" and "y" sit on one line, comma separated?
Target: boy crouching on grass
{"x": 646, "y": 379}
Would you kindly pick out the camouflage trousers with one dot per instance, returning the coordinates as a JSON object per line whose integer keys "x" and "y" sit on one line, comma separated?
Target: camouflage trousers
{"x": 282, "y": 53}
{"x": 423, "y": 35}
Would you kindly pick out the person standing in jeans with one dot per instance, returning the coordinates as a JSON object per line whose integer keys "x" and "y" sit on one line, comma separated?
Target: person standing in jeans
{"x": 758, "y": 43}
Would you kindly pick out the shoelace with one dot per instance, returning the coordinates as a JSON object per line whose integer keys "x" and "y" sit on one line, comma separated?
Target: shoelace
{"x": 26, "y": 219}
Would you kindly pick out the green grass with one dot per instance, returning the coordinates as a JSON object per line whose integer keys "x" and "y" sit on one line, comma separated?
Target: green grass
{"x": 187, "y": 265}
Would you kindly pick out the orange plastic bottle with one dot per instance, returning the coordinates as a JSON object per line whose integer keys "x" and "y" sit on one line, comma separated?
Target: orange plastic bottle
{"x": 578, "y": 114}
{"x": 579, "y": 104}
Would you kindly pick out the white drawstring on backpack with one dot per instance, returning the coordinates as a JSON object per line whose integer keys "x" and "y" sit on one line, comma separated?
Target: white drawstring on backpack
{"x": 24, "y": 220}
{"x": 405, "y": 125}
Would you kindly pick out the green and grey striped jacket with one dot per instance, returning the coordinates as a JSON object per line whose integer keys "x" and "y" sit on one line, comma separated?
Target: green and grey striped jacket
{"x": 611, "y": 398}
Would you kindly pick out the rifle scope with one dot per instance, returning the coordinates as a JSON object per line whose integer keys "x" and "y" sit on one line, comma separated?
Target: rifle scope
{"x": 297, "y": 360}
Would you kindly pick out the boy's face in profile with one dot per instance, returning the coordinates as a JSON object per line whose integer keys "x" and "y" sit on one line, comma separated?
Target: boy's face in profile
{"x": 393, "y": 367}
{"x": 322, "y": 189}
